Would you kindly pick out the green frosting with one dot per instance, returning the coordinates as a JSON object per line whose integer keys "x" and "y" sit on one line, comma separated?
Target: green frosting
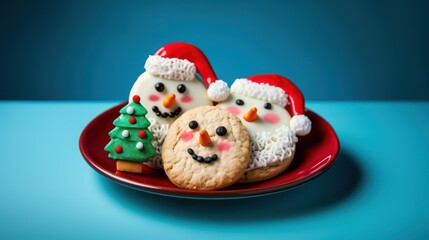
{"x": 123, "y": 121}
{"x": 129, "y": 141}
{"x": 133, "y": 134}
{"x": 130, "y": 151}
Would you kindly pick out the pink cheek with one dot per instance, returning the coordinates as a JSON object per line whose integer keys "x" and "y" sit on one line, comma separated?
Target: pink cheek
{"x": 271, "y": 118}
{"x": 186, "y": 99}
{"x": 234, "y": 110}
{"x": 224, "y": 146}
{"x": 186, "y": 136}
{"x": 153, "y": 97}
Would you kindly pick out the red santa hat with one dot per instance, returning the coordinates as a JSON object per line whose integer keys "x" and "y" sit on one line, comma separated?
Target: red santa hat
{"x": 270, "y": 88}
{"x": 180, "y": 61}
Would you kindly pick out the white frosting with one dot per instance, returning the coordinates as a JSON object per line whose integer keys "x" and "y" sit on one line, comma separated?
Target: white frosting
{"x": 218, "y": 91}
{"x": 261, "y": 91}
{"x": 145, "y": 86}
{"x": 159, "y": 132}
{"x": 125, "y": 133}
{"x": 259, "y": 125}
{"x": 271, "y": 143}
{"x": 300, "y": 124}
{"x": 139, "y": 145}
{"x": 269, "y": 148}
{"x": 130, "y": 110}
{"x": 170, "y": 68}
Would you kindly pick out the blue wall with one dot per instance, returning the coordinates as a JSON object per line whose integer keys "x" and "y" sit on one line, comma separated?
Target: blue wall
{"x": 330, "y": 49}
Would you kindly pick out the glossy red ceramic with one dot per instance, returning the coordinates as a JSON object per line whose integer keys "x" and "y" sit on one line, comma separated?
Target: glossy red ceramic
{"x": 315, "y": 153}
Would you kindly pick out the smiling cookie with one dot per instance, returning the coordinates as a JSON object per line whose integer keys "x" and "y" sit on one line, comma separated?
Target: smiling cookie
{"x": 272, "y": 109}
{"x": 207, "y": 148}
{"x": 170, "y": 86}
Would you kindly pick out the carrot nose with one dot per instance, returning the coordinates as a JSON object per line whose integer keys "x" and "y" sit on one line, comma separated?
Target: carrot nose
{"x": 204, "y": 138}
{"x": 169, "y": 100}
{"x": 251, "y": 115}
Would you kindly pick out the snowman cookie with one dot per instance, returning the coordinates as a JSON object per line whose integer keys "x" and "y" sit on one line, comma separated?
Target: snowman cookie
{"x": 207, "y": 148}
{"x": 272, "y": 109}
{"x": 170, "y": 87}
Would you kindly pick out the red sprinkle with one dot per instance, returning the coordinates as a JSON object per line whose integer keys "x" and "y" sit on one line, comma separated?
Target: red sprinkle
{"x": 136, "y": 98}
{"x": 132, "y": 120}
{"x": 118, "y": 149}
{"x": 142, "y": 134}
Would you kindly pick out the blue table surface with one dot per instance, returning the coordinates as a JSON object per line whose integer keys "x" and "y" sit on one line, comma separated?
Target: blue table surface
{"x": 377, "y": 188}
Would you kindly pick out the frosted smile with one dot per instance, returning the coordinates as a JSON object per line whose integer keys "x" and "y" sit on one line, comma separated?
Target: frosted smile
{"x": 201, "y": 158}
{"x": 158, "y": 112}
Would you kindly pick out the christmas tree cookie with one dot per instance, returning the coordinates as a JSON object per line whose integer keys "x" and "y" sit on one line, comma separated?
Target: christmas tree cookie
{"x": 130, "y": 143}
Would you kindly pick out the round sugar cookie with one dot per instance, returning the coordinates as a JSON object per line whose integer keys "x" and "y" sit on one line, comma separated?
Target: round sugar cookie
{"x": 207, "y": 148}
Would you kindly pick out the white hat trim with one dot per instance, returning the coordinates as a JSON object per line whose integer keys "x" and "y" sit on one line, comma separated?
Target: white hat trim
{"x": 300, "y": 124}
{"x": 218, "y": 91}
{"x": 261, "y": 91}
{"x": 170, "y": 68}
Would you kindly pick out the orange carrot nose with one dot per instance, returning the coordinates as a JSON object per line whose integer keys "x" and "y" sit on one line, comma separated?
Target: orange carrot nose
{"x": 204, "y": 138}
{"x": 169, "y": 100}
{"x": 251, "y": 115}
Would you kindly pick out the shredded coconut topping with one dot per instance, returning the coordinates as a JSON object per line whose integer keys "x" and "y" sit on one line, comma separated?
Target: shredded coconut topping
{"x": 170, "y": 68}
{"x": 261, "y": 91}
{"x": 159, "y": 132}
{"x": 218, "y": 91}
{"x": 269, "y": 148}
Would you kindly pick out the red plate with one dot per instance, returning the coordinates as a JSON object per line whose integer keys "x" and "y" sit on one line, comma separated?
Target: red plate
{"x": 315, "y": 153}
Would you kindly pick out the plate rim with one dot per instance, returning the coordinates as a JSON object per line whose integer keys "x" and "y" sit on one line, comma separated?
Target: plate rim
{"x": 200, "y": 194}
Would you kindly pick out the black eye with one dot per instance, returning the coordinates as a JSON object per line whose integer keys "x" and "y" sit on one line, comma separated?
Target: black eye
{"x": 181, "y": 88}
{"x": 239, "y": 102}
{"x": 221, "y": 131}
{"x": 193, "y": 124}
{"x": 159, "y": 87}
{"x": 267, "y": 105}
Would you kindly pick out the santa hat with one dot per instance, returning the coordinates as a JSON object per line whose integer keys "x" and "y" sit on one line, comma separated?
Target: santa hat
{"x": 270, "y": 88}
{"x": 180, "y": 61}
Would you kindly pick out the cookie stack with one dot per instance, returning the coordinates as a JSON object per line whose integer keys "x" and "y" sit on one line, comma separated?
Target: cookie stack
{"x": 208, "y": 136}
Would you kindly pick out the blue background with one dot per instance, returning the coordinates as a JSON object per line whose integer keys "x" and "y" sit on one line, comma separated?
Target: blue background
{"x": 336, "y": 50}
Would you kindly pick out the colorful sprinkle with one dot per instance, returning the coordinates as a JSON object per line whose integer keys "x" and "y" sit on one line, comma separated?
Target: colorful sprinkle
{"x": 139, "y": 145}
{"x": 125, "y": 133}
{"x": 132, "y": 120}
{"x": 136, "y": 98}
{"x": 142, "y": 134}
{"x": 118, "y": 149}
{"x": 130, "y": 110}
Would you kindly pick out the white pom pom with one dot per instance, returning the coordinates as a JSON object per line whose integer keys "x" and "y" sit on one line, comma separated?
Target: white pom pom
{"x": 300, "y": 124}
{"x": 218, "y": 91}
